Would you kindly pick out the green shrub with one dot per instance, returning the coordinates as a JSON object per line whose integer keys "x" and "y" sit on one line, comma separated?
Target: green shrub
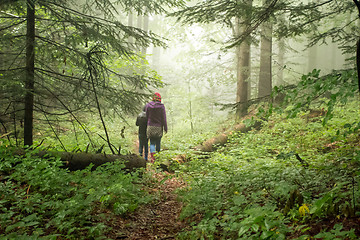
{"x": 245, "y": 190}
{"x": 39, "y": 198}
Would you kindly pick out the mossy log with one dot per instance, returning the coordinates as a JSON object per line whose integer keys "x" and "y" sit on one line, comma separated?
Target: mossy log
{"x": 79, "y": 161}
{"x": 220, "y": 140}
{"x": 210, "y": 145}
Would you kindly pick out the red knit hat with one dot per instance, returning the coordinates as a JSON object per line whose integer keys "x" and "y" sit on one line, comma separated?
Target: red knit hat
{"x": 157, "y": 97}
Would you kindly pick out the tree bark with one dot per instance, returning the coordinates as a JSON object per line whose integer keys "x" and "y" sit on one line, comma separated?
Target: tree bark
{"x": 29, "y": 78}
{"x": 145, "y": 28}
{"x": 357, "y": 3}
{"x": 242, "y": 68}
{"x": 156, "y": 51}
{"x": 281, "y": 62}
{"x": 312, "y": 60}
{"x": 221, "y": 139}
{"x": 265, "y": 76}
{"x": 131, "y": 24}
{"x": 79, "y": 161}
{"x": 139, "y": 23}
{"x": 358, "y": 61}
{"x": 243, "y": 74}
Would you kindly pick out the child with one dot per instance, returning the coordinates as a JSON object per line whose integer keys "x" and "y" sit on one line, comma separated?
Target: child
{"x": 141, "y": 121}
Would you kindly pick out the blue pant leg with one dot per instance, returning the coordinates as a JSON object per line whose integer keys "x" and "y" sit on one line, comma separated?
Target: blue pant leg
{"x": 155, "y": 144}
{"x": 152, "y": 145}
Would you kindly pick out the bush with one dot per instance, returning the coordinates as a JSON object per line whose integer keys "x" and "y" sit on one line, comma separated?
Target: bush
{"x": 40, "y": 198}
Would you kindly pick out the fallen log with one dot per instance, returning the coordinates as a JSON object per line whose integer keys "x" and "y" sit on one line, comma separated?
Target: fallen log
{"x": 220, "y": 140}
{"x": 204, "y": 150}
{"x": 210, "y": 145}
{"x": 79, "y": 161}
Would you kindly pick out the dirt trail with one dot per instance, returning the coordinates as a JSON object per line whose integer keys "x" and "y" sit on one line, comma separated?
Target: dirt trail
{"x": 157, "y": 220}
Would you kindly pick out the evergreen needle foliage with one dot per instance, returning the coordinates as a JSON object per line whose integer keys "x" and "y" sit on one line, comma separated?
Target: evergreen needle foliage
{"x": 82, "y": 60}
{"x": 289, "y": 18}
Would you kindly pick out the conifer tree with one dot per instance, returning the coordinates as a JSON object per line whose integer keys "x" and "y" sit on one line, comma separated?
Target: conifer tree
{"x": 58, "y": 57}
{"x": 265, "y": 74}
{"x": 290, "y": 19}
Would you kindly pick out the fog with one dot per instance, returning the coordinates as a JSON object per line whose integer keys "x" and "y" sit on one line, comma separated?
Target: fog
{"x": 198, "y": 72}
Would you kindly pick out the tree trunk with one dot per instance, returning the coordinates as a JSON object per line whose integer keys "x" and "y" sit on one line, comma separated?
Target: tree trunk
{"x": 312, "y": 58}
{"x": 190, "y": 106}
{"x": 139, "y": 22}
{"x": 131, "y": 24}
{"x": 281, "y": 62}
{"x": 243, "y": 74}
{"x": 79, "y": 161}
{"x": 145, "y": 28}
{"x": 265, "y": 76}
{"x": 357, "y": 3}
{"x": 29, "y": 78}
{"x": 156, "y": 51}
{"x": 243, "y": 71}
{"x": 212, "y": 144}
{"x": 358, "y": 62}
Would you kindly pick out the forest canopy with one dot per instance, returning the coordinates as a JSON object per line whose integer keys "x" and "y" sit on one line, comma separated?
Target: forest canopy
{"x": 66, "y": 57}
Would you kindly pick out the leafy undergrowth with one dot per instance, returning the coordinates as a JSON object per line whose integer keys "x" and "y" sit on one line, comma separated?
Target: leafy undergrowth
{"x": 39, "y": 199}
{"x": 293, "y": 179}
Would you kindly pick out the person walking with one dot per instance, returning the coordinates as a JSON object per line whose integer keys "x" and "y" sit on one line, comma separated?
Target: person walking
{"x": 156, "y": 123}
{"x": 141, "y": 121}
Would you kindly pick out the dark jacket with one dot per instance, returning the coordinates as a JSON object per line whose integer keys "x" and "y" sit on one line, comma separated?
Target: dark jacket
{"x": 156, "y": 115}
{"x": 141, "y": 121}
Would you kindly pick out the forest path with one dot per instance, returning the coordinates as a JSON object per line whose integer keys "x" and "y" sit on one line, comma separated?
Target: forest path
{"x": 156, "y": 220}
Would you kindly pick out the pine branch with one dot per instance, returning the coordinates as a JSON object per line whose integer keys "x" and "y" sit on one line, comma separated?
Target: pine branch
{"x": 13, "y": 62}
{"x": 11, "y": 26}
{"x": 59, "y": 45}
{"x": 7, "y": 134}
{"x": 93, "y": 74}
{"x": 40, "y": 108}
{"x": 143, "y": 38}
{"x": 108, "y": 143}
{"x": 57, "y": 75}
{"x": 12, "y": 69}
{"x": 250, "y": 28}
{"x": 56, "y": 135}
{"x": 310, "y": 6}
{"x": 73, "y": 115}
